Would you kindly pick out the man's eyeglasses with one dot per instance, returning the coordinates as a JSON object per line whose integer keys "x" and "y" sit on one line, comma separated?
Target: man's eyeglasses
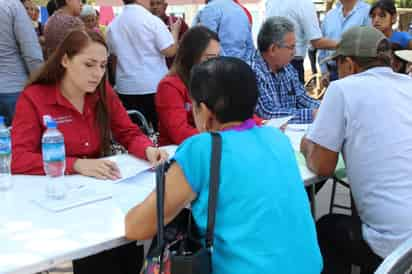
{"x": 291, "y": 47}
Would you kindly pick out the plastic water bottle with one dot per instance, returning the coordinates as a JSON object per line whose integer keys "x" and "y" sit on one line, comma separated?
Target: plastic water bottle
{"x": 5, "y": 157}
{"x": 54, "y": 160}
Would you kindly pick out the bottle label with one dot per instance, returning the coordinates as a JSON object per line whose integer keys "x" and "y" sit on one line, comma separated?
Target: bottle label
{"x": 53, "y": 152}
{"x": 5, "y": 145}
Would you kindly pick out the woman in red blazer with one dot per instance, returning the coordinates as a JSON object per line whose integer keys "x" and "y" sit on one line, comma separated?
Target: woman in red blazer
{"x": 173, "y": 105}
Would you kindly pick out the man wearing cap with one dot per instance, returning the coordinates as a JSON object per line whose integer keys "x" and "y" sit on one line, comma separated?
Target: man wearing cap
{"x": 402, "y": 61}
{"x": 366, "y": 116}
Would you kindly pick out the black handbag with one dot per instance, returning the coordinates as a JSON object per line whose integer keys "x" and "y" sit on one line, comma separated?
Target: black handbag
{"x": 177, "y": 248}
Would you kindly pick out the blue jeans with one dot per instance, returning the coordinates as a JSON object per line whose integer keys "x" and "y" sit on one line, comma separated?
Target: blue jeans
{"x": 8, "y": 106}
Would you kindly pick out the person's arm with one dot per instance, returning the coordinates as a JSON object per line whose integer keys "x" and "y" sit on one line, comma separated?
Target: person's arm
{"x": 324, "y": 43}
{"x": 410, "y": 44}
{"x": 326, "y": 136}
{"x": 167, "y": 41}
{"x": 27, "y": 39}
{"x": 141, "y": 221}
{"x": 320, "y": 160}
{"x": 170, "y": 106}
{"x": 268, "y": 105}
{"x": 311, "y": 29}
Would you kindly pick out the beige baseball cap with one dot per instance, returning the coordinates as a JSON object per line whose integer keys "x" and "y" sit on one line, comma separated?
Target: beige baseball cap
{"x": 405, "y": 55}
{"x": 358, "y": 41}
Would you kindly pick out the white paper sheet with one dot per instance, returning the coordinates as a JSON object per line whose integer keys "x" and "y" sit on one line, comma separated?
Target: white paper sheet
{"x": 129, "y": 166}
{"x": 298, "y": 127}
{"x": 278, "y": 122}
{"x": 73, "y": 198}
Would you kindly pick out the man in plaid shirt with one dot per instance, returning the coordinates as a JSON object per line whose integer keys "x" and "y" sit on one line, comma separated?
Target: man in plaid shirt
{"x": 280, "y": 91}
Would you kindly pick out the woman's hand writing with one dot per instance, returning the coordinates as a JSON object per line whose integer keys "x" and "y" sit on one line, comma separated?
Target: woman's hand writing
{"x": 156, "y": 156}
{"x": 98, "y": 168}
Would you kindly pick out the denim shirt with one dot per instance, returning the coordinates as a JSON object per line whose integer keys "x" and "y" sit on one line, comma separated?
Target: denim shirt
{"x": 281, "y": 93}
{"x": 335, "y": 24}
{"x": 20, "y": 51}
{"x": 231, "y": 23}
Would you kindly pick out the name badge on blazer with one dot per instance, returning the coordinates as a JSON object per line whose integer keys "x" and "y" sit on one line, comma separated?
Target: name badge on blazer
{"x": 188, "y": 107}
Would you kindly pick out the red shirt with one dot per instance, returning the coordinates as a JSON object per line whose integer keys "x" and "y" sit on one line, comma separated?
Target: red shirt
{"x": 80, "y": 131}
{"x": 174, "y": 110}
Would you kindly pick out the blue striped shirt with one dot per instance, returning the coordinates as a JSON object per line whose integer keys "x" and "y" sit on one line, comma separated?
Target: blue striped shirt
{"x": 281, "y": 93}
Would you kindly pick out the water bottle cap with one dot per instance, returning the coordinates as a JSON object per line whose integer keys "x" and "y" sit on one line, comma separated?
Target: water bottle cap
{"x": 51, "y": 124}
{"x": 1, "y": 119}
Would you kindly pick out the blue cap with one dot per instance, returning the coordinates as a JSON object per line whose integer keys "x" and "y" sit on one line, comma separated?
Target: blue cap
{"x": 1, "y": 119}
{"x": 51, "y": 124}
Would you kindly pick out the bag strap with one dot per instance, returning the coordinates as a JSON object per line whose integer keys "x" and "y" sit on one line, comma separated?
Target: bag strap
{"x": 160, "y": 193}
{"x": 213, "y": 187}
{"x": 213, "y": 193}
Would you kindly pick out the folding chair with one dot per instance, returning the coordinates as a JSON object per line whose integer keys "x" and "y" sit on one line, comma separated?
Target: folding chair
{"x": 399, "y": 261}
{"x": 138, "y": 118}
{"x": 333, "y": 204}
{"x": 312, "y": 85}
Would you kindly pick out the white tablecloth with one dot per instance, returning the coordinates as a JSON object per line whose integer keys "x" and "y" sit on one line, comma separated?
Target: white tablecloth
{"x": 33, "y": 239}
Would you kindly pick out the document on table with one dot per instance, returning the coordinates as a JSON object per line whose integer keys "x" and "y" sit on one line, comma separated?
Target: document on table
{"x": 74, "y": 198}
{"x": 278, "y": 122}
{"x": 129, "y": 165}
{"x": 295, "y": 132}
{"x": 298, "y": 127}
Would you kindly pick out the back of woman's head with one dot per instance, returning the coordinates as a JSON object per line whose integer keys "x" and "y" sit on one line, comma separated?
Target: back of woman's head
{"x": 191, "y": 47}
{"x": 227, "y": 86}
{"x": 52, "y": 71}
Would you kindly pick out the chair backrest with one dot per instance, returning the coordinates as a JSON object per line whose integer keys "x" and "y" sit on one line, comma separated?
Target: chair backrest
{"x": 399, "y": 261}
{"x": 138, "y": 117}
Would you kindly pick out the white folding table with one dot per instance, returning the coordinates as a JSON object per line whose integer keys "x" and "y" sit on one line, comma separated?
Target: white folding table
{"x": 33, "y": 239}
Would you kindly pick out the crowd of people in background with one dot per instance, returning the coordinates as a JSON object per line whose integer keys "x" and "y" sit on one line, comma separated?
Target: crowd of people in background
{"x": 188, "y": 81}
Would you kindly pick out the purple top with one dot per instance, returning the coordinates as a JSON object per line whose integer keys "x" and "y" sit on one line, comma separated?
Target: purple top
{"x": 248, "y": 124}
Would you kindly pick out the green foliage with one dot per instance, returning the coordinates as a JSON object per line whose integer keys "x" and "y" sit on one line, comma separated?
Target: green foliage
{"x": 404, "y": 3}
{"x": 399, "y": 3}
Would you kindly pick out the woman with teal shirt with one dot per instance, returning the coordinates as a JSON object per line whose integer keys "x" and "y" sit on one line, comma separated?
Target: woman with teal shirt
{"x": 263, "y": 220}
